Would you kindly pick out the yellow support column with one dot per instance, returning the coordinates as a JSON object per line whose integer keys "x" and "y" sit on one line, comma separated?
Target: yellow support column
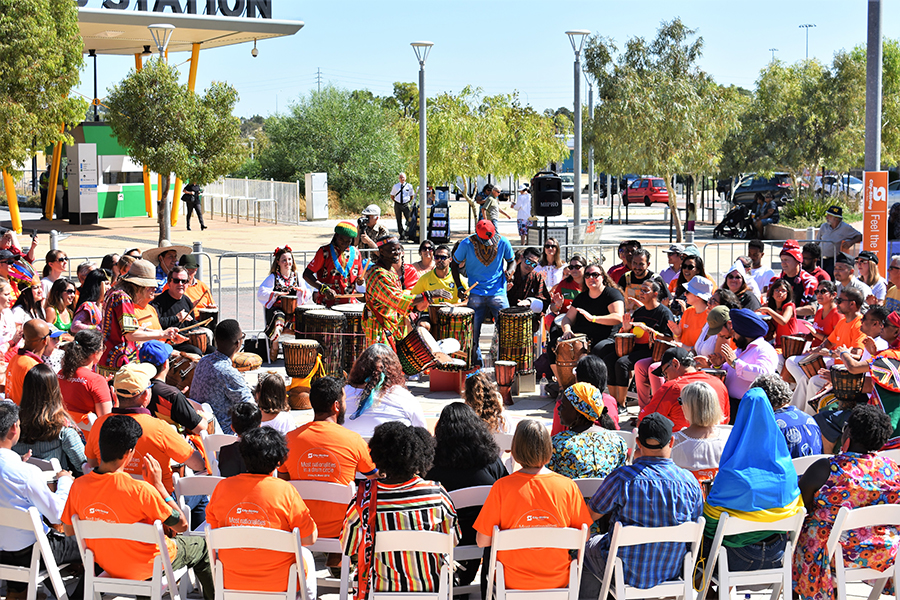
{"x": 148, "y": 200}
{"x": 13, "y": 201}
{"x": 54, "y": 178}
{"x": 192, "y": 81}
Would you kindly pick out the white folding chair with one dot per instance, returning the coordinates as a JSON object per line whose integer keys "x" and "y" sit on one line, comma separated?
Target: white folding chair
{"x": 193, "y": 485}
{"x": 212, "y": 444}
{"x": 467, "y": 498}
{"x": 256, "y": 538}
{"x": 802, "y": 463}
{"x": 338, "y": 493}
{"x": 848, "y": 519}
{"x": 33, "y": 575}
{"x": 431, "y": 542}
{"x": 630, "y": 440}
{"x": 564, "y": 538}
{"x": 504, "y": 440}
{"x": 164, "y": 578}
{"x": 588, "y": 485}
{"x": 778, "y": 578}
{"x": 690, "y": 532}
{"x": 892, "y": 454}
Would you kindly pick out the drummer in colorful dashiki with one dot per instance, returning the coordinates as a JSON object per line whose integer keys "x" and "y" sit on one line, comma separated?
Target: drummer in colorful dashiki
{"x": 387, "y": 303}
{"x": 336, "y": 267}
{"x": 281, "y": 281}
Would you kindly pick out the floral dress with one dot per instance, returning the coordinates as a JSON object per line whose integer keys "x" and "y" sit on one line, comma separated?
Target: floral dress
{"x": 856, "y": 480}
{"x": 591, "y": 453}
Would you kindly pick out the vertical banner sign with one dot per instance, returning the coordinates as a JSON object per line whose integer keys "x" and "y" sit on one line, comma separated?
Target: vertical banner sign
{"x": 875, "y": 216}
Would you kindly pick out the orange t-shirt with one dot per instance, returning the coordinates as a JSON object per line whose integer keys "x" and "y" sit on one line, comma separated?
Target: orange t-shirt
{"x": 692, "y": 324}
{"x": 326, "y": 451}
{"x": 847, "y": 334}
{"x": 118, "y": 498}
{"x": 543, "y": 500}
{"x": 18, "y": 367}
{"x": 249, "y": 500}
{"x": 159, "y": 440}
{"x": 147, "y": 317}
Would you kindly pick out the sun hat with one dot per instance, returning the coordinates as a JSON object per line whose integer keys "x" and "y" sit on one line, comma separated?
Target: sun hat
{"x": 153, "y": 253}
{"x": 142, "y": 273}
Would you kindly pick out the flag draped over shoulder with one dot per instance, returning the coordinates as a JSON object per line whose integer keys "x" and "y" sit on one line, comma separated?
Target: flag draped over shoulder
{"x": 756, "y": 479}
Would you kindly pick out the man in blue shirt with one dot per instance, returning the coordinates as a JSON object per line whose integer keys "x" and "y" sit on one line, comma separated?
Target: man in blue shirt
{"x": 484, "y": 254}
{"x": 22, "y": 486}
{"x": 652, "y": 492}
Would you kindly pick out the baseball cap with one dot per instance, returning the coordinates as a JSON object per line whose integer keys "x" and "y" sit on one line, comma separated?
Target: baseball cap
{"x": 675, "y": 249}
{"x": 835, "y": 211}
{"x": 671, "y": 353}
{"x": 133, "y": 378}
{"x": 485, "y": 232}
{"x": 869, "y": 256}
{"x": 717, "y": 318}
{"x": 372, "y": 209}
{"x": 845, "y": 258}
{"x": 155, "y": 353}
{"x": 655, "y": 431}
{"x": 189, "y": 261}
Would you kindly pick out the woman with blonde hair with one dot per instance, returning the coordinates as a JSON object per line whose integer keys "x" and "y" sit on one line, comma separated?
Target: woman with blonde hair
{"x": 867, "y": 266}
{"x": 699, "y": 446}
{"x": 551, "y": 263}
{"x": 481, "y": 394}
{"x": 532, "y": 491}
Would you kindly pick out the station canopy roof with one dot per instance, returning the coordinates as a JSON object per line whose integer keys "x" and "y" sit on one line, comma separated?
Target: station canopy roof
{"x": 125, "y": 32}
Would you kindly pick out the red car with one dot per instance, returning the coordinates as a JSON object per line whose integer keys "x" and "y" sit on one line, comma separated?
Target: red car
{"x": 647, "y": 189}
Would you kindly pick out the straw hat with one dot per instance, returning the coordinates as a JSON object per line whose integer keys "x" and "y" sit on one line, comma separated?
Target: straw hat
{"x": 153, "y": 254}
{"x": 142, "y": 273}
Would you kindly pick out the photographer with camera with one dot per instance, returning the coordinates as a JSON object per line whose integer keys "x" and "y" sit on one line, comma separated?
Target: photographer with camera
{"x": 369, "y": 227}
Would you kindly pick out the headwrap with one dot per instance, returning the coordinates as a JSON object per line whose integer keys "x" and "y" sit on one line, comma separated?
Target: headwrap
{"x": 894, "y": 318}
{"x": 586, "y": 399}
{"x": 347, "y": 228}
{"x": 753, "y": 485}
{"x": 748, "y": 323}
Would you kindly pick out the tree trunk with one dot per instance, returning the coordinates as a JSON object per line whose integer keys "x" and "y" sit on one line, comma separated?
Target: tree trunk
{"x": 162, "y": 209}
{"x": 673, "y": 206}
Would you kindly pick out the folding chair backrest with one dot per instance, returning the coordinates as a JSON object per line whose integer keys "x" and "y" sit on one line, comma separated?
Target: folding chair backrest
{"x": 847, "y": 520}
{"x": 588, "y": 485}
{"x": 195, "y": 485}
{"x": 467, "y": 498}
{"x": 802, "y": 463}
{"x": 257, "y": 538}
{"x": 30, "y": 520}
{"x": 867, "y": 516}
{"x": 892, "y": 454}
{"x": 51, "y": 465}
{"x": 630, "y": 440}
{"x": 212, "y": 444}
{"x": 470, "y": 496}
{"x": 431, "y": 542}
{"x": 504, "y": 440}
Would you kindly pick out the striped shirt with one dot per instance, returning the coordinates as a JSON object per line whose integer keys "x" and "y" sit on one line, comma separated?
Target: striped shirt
{"x": 387, "y": 304}
{"x": 414, "y": 505}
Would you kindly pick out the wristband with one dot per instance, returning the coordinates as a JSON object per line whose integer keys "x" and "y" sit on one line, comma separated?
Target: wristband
{"x": 168, "y": 499}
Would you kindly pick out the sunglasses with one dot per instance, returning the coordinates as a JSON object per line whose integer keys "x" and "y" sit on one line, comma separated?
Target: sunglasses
{"x": 688, "y": 267}
{"x": 575, "y": 267}
{"x": 550, "y": 246}
{"x": 180, "y": 281}
{"x": 822, "y": 292}
{"x": 531, "y": 263}
{"x": 441, "y": 257}
{"x": 735, "y": 276}
{"x": 427, "y": 249}
{"x": 60, "y": 259}
{"x": 592, "y": 275}
{"x": 70, "y": 291}
{"x": 893, "y": 268}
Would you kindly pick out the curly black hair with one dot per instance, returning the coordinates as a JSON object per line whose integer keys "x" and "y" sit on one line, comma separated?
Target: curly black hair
{"x": 263, "y": 449}
{"x": 401, "y": 451}
{"x": 462, "y": 439}
{"x": 869, "y": 427}
{"x": 591, "y": 369}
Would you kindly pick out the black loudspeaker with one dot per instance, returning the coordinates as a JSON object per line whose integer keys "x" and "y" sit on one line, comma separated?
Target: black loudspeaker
{"x": 546, "y": 194}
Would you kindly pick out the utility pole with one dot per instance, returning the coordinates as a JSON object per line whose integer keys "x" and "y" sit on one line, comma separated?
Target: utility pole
{"x": 873, "y": 87}
{"x": 807, "y": 27}
{"x": 319, "y": 79}
{"x": 773, "y": 51}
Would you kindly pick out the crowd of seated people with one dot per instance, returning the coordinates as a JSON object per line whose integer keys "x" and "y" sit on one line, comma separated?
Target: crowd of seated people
{"x": 720, "y": 406}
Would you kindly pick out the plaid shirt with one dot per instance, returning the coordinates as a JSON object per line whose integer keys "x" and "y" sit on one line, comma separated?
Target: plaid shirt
{"x": 653, "y": 492}
{"x": 387, "y": 305}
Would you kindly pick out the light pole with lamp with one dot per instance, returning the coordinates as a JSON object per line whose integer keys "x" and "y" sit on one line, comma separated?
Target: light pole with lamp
{"x": 422, "y": 49}
{"x": 773, "y": 51}
{"x": 590, "y": 83}
{"x": 576, "y": 37}
{"x": 162, "y": 33}
{"x": 807, "y": 26}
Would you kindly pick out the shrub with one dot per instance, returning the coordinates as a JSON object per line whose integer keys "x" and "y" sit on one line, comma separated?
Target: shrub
{"x": 809, "y": 211}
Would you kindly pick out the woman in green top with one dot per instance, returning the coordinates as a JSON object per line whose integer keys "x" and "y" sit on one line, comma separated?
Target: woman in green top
{"x": 60, "y": 303}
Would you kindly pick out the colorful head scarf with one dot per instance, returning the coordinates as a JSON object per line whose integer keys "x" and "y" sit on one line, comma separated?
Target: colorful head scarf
{"x": 754, "y": 485}
{"x": 586, "y": 399}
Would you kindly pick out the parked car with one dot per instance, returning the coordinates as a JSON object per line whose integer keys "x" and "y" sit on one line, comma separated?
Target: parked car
{"x": 568, "y": 185}
{"x": 893, "y": 192}
{"x": 832, "y": 185}
{"x": 648, "y": 190}
{"x": 779, "y": 184}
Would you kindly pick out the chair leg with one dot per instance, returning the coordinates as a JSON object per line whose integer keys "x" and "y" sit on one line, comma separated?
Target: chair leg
{"x": 345, "y": 577}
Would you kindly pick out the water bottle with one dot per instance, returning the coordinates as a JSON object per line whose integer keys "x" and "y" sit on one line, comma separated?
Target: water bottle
{"x": 543, "y": 385}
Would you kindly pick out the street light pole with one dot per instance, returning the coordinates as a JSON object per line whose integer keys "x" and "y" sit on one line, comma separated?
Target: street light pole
{"x": 576, "y": 37}
{"x": 422, "y": 49}
{"x": 590, "y": 154}
{"x": 873, "y": 87}
{"x": 807, "y": 26}
{"x": 162, "y": 33}
{"x": 773, "y": 51}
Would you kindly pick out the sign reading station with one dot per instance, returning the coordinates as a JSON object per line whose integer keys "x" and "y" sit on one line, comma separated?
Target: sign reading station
{"x": 229, "y": 8}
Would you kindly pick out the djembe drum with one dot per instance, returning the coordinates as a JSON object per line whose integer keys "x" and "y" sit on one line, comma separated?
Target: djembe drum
{"x": 288, "y": 306}
{"x": 458, "y": 322}
{"x": 299, "y": 356}
{"x": 354, "y": 339}
{"x": 299, "y": 323}
{"x": 514, "y": 330}
{"x": 417, "y": 351}
{"x": 772, "y": 325}
{"x": 792, "y": 345}
{"x": 505, "y": 374}
{"x": 433, "y": 311}
{"x": 811, "y": 364}
{"x": 567, "y": 354}
{"x": 181, "y": 369}
{"x": 624, "y": 343}
{"x": 659, "y": 346}
{"x": 326, "y": 326}
{"x": 199, "y": 337}
{"x": 720, "y": 373}
{"x": 209, "y": 313}
{"x": 846, "y": 384}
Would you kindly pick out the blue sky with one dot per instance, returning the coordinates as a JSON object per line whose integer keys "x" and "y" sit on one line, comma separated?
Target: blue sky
{"x": 503, "y": 45}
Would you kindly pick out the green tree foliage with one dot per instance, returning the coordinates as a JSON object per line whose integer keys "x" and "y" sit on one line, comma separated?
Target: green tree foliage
{"x": 334, "y": 131}
{"x": 658, "y": 112}
{"x": 40, "y": 59}
{"x": 194, "y": 136}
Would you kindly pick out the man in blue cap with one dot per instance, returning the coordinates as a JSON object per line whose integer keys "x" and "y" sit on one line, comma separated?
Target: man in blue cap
{"x": 754, "y": 355}
{"x": 167, "y": 402}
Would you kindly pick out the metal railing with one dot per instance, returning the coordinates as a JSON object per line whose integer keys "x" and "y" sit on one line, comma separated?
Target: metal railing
{"x": 272, "y": 201}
